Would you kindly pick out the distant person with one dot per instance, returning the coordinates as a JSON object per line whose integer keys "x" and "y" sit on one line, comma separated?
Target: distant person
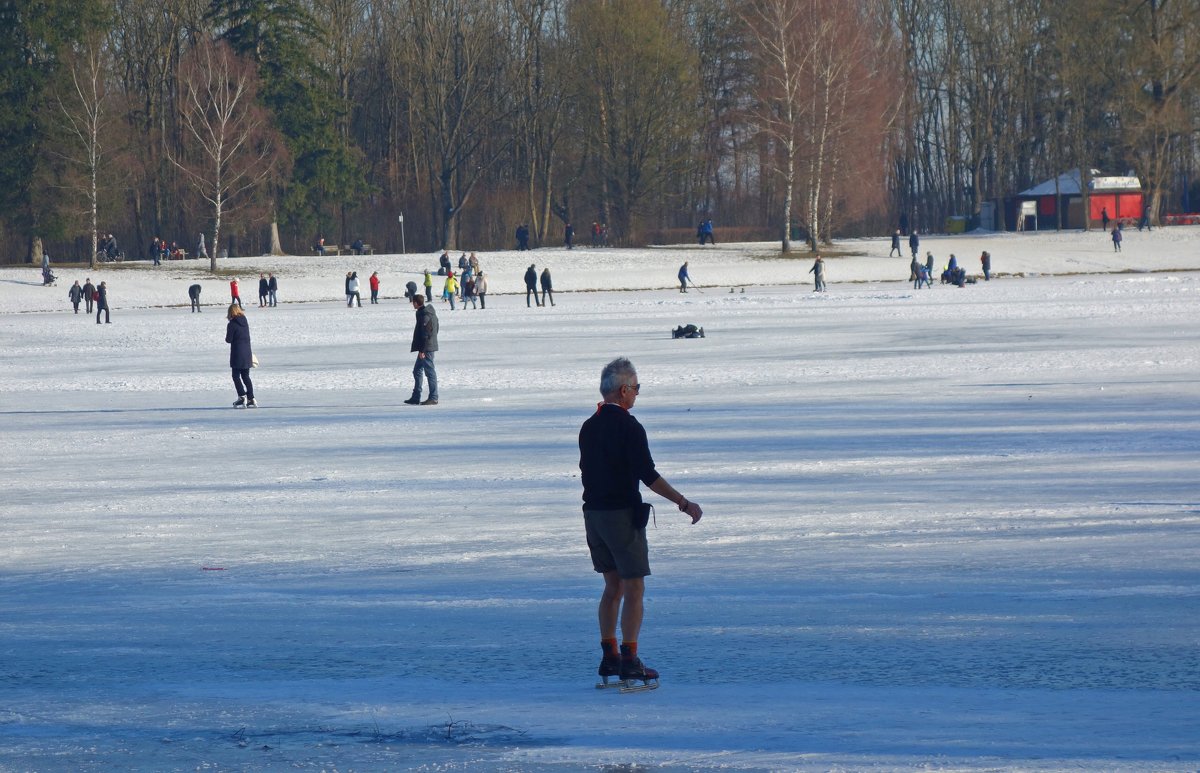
{"x": 683, "y": 277}
{"x": 264, "y": 290}
{"x": 272, "y": 290}
{"x": 320, "y": 246}
{"x": 929, "y": 265}
{"x": 241, "y": 358}
{"x": 1145, "y": 221}
{"x": 986, "y": 261}
{"x": 531, "y": 280}
{"x": 444, "y": 266}
{"x": 358, "y": 248}
{"x": 914, "y": 242}
{"x": 569, "y": 236}
{"x": 425, "y": 344}
{"x": 76, "y": 295}
{"x": 411, "y": 290}
{"x": 235, "y": 294}
{"x": 481, "y": 290}
{"x": 896, "y": 245}
{"x": 102, "y": 303}
{"x": 1116, "y": 238}
{"x": 468, "y": 290}
{"x": 428, "y": 286}
{"x": 705, "y": 232}
{"x": 818, "y": 272}
{"x": 547, "y": 287}
{"x": 903, "y": 224}
{"x": 450, "y": 291}
{"x": 352, "y": 295}
{"x": 194, "y": 296}
{"x": 1104, "y": 218}
{"x": 912, "y": 269}
{"x": 522, "y": 235}
{"x": 374, "y": 283}
{"x": 89, "y": 295}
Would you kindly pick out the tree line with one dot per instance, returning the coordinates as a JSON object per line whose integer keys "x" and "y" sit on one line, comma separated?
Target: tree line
{"x": 264, "y": 124}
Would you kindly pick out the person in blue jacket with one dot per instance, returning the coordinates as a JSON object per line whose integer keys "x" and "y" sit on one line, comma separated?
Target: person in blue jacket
{"x": 241, "y": 358}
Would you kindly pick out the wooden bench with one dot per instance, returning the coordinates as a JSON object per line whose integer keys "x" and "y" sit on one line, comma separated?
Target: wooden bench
{"x": 349, "y": 250}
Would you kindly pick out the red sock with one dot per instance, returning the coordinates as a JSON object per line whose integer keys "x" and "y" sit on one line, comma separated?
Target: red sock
{"x": 610, "y": 648}
{"x": 632, "y": 646}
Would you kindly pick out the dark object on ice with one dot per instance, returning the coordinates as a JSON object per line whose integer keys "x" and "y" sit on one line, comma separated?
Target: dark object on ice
{"x": 687, "y": 331}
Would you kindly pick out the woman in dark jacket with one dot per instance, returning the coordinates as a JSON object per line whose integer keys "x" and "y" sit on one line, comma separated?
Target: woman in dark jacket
{"x": 237, "y": 335}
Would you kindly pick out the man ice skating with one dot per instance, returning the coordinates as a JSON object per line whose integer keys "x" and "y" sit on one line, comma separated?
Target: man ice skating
{"x": 102, "y": 303}
{"x": 683, "y": 277}
{"x": 89, "y": 295}
{"x": 613, "y": 456}
{"x": 424, "y": 343}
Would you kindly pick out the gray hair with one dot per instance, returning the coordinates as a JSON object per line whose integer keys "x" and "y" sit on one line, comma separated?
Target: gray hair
{"x": 615, "y": 375}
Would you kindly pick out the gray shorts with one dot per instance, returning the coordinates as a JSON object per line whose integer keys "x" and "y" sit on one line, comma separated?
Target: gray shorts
{"x": 615, "y": 544}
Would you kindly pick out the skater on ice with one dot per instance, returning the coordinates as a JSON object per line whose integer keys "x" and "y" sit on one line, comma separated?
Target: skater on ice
{"x": 614, "y": 455}
{"x": 424, "y": 343}
{"x": 241, "y": 358}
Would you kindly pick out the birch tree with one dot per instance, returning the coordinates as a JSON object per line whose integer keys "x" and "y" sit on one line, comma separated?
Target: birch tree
{"x": 230, "y": 146}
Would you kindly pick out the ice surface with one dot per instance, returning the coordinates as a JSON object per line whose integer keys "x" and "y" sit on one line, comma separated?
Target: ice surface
{"x": 948, "y": 528}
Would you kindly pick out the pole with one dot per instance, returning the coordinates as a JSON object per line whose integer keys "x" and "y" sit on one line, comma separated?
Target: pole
{"x": 402, "y": 248}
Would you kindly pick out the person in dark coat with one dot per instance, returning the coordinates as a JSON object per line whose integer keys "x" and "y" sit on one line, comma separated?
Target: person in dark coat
{"x": 264, "y": 289}
{"x": 241, "y": 358}
{"x": 1104, "y": 218}
{"x": 547, "y": 287}
{"x": 986, "y": 260}
{"x": 531, "y": 281}
{"x": 102, "y": 302}
{"x": 194, "y": 295}
{"x": 914, "y": 242}
{"x": 425, "y": 344}
{"x": 896, "y": 245}
{"x": 272, "y": 290}
{"x": 1116, "y": 238}
{"x": 89, "y": 295}
{"x": 76, "y": 295}
{"x": 569, "y": 236}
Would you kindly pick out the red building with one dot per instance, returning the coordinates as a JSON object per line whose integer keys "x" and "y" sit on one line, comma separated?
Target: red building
{"x": 1038, "y": 207}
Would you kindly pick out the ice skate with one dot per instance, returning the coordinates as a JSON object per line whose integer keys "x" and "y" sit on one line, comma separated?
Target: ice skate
{"x": 240, "y": 402}
{"x": 610, "y": 666}
{"x": 635, "y": 676}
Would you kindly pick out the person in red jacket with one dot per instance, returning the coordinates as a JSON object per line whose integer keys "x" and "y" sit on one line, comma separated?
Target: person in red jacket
{"x": 374, "y": 287}
{"x": 234, "y": 296}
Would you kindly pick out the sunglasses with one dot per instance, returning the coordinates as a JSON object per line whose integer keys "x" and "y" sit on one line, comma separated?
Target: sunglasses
{"x": 637, "y": 388}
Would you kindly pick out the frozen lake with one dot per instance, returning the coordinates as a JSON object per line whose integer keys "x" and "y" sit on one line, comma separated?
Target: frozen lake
{"x": 948, "y": 529}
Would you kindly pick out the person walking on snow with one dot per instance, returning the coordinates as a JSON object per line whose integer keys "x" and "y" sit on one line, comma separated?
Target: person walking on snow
{"x": 818, "y": 272}
{"x": 234, "y": 293}
{"x": 547, "y": 287}
{"x": 914, "y": 243}
{"x": 102, "y": 302}
{"x": 481, "y": 290}
{"x": 614, "y": 455}
{"x": 76, "y": 295}
{"x": 531, "y": 280}
{"x": 896, "y": 245}
{"x": 1116, "y": 238}
{"x": 241, "y": 358}
{"x": 425, "y": 344}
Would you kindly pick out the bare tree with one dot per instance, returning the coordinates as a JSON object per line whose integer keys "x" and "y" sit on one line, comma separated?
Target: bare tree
{"x": 231, "y": 147}
{"x": 83, "y": 104}
{"x": 778, "y": 35}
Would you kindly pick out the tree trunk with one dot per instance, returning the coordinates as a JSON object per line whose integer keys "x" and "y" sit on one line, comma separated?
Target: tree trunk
{"x": 276, "y": 244}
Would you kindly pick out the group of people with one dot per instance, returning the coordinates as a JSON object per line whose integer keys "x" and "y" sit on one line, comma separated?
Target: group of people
{"x": 160, "y": 250}
{"x": 92, "y": 296}
{"x": 531, "y": 286}
{"x": 358, "y": 246}
{"x": 914, "y": 244}
{"x": 704, "y": 232}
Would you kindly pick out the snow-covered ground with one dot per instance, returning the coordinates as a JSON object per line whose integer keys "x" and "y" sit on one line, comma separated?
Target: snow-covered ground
{"x": 948, "y": 528}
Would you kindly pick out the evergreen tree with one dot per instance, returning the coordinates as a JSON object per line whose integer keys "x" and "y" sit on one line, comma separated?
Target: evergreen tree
{"x": 32, "y": 37}
{"x": 303, "y": 102}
